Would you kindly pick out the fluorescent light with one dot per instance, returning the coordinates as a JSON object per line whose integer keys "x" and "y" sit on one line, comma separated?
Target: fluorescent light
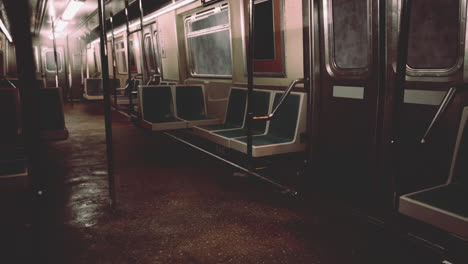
{"x": 154, "y": 15}
{"x": 60, "y": 25}
{"x": 57, "y": 35}
{"x": 5, "y": 31}
{"x": 72, "y": 8}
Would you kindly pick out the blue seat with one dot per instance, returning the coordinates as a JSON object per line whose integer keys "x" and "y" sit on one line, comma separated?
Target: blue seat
{"x": 157, "y": 104}
{"x": 260, "y": 107}
{"x": 283, "y": 131}
{"x": 235, "y": 112}
{"x": 190, "y": 105}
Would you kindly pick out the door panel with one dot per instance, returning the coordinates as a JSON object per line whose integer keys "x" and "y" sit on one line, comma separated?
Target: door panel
{"x": 348, "y": 102}
{"x": 50, "y": 69}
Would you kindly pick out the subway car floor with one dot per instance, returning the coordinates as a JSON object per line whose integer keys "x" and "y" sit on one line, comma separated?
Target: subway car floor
{"x": 175, "y": 205}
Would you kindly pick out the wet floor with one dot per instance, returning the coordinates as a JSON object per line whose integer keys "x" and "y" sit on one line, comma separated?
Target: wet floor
{"x": 175, "y": 205}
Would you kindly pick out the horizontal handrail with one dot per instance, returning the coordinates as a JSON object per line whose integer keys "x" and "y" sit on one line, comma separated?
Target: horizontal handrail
{"x": 281, "y": 101}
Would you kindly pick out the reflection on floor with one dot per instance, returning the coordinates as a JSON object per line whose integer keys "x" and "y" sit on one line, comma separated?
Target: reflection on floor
{"x": 176, "y": 205}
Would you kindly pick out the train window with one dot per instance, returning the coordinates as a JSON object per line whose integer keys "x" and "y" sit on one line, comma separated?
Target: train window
{"x": 268, "y": 58}
{"x": 350, "y": 37}
{"x": 157, "y": 52}
{"x": 120, "y": 56}
{"x": 149, "y": 54}
{"x": 37, "y": 61}
{"x": 208, "y": 39}
{"x": 133, "y": 65}
{"x": 50, "y": 61}
{"x": 434, "y": 41}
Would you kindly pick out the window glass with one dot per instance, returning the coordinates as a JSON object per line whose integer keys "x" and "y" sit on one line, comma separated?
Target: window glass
{"x": 209, "y": 43}
{"x": 133, "y": 66}
{"x": 434, "y": 34}
{"x": 149, "y": 54}
{"x": 50, "y": 61}
{"x": 350, "y": 33}
{"x": 217, "y": 19}
{"x": 264, "y": 31}
{"x": 120, "y": 57}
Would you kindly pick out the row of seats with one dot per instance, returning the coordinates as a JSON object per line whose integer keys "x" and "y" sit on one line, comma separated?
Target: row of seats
{"x": 280, "y": 135}
{"x": 93, "y": 88}
{"x": 167, "y": 107}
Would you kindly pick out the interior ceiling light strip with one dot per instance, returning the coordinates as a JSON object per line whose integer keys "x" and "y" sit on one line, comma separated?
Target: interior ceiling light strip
{"x": 155, "y": 14}
{"x": 5, "y": 31}
{"x": 72, "y": 8}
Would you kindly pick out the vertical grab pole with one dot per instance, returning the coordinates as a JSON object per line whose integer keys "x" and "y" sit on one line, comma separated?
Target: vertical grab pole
{"x": 402, "y": 51}
{"x": 55, "y": 54}
{"x": 143, "y": 54}
{"x": 250, "y": 73}
{"x": 129, "y": 74}
{"x": 107, "y": 103}
{"x": 113, "y": 58}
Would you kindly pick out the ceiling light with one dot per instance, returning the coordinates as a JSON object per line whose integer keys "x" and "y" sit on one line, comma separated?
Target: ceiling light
{"x": 158, "y": 13}
{"x": 72, "y": 8}
{"x": 60, "y": 25}
{"x": 5, "y": 31}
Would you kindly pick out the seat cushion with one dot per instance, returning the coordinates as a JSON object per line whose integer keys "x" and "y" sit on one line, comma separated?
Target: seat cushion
{"x": 263, "y": 140}
{"x": 450, "y": 198}
{"x": 216, "y": 127}
{"x": 236, "y": 133}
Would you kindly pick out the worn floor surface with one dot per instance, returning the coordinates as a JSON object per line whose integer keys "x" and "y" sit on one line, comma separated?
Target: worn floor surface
{"x": 175, "y": 205}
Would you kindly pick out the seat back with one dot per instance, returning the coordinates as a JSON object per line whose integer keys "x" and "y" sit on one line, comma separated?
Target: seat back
{"x": 190, "y": 102}
{"x": 93, "y": 87}
{"x": 51, "y": 111}
{"x": 158, "y": 105}
{"x": 8, "y": 115}
{"x": 285, "y": 123}
{"x": 235, "y": 112}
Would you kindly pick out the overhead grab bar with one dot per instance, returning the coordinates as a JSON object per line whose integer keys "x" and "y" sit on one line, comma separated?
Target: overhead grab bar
{"x": 281, "y": 101}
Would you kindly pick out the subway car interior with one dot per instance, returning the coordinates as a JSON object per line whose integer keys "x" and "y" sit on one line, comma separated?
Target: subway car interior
{"x": 234, "y": 131}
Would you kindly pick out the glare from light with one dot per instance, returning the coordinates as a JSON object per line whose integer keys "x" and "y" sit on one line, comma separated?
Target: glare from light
{"x": 72, "y": 8}
{"x": 58, "y": 35}
{"x": 154, "y": 15}
{"x": 60, "y": 25}
{"x": 5, "y": 31}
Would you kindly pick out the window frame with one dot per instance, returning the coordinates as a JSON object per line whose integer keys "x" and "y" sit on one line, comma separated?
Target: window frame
{"x": 59, "y": 57}
{"x": 157, "y": 51}
{"x": 124, "y": 50}
{"x": 279, "y": 43}
{"x": 329, "y": 36}
{"x": 187, "y": 34}
{"x": 152, "y": 51}
{"x": 445, "y": 72}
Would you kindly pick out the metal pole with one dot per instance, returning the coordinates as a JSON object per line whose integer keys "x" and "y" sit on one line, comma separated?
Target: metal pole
{"x": 113, "y": 58}
{"x": 55, "y": 54}
{"x": 107, "y": 103}
{"x": 399, "y": 89}
{"x": 129, "y": 74}
{"x": 250, "y": 73}
{"x": 18, "y": 14}
{"x": 309, "y": 79}
{"x": 143, "y": 54}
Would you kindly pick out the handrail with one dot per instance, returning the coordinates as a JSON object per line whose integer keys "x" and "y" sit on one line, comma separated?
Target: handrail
{"x": 281, "y": 101}
{"x": 442, "y": 108}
